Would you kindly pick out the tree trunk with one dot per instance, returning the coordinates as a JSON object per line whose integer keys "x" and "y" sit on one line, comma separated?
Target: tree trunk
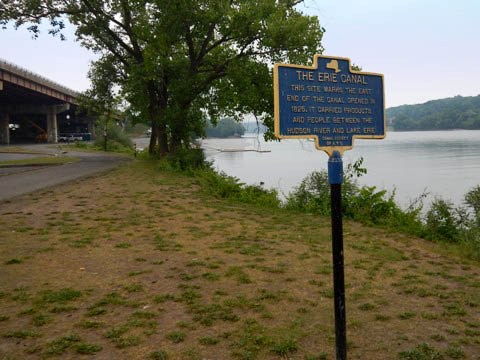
{"x": 153, "y": 137}
{"x": 162, "y": 140}
{"x": 157, "y": 109}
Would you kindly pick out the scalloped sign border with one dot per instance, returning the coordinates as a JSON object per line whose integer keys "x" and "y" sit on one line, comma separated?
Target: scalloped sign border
{"x": 328, "y": 102}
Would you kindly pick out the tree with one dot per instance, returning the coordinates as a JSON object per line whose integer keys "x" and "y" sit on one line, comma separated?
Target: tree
{"x": 179, "y": 62}
{"x": 225, "y": 128}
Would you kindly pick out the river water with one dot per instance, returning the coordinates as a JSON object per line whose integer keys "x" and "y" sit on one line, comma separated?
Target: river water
{"x": 443, "y": 163}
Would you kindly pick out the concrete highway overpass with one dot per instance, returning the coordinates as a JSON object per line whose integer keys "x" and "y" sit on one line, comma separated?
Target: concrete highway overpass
{"x": 35, "y": 109}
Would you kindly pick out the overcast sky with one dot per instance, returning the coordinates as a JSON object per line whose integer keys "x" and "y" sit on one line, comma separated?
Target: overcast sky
{"x": 426, "y": 49}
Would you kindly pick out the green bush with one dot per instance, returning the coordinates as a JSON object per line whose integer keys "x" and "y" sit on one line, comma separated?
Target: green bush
{"x": 441, "y": 223}
{"x": 472, "y": 199}
{"x": 312, "y": 195}
{"x": 228, "y": 187}
{"x": 366, "y": 204}
{"x": 117, "y": 140}
{"x": 188, "y": 159}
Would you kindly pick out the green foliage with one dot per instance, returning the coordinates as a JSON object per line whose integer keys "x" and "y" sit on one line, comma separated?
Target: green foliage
{"x": 136, "y": 130}
{"x": 366, "y": 204}
{"x": 13, "y": 261}
{"x": 472, "y": 199}
{"x": 87, "y": 349}
{"x": 117, "y": 140}
{"x": 450, "y": 224}
{"x": 158, "y": 355}
{"x": 228, "y": 187}
{"x": 176, "y": 336}
{"x": 250, "y": 340}
{"x": 312, "y": 195}
{"x": 455, "y": 353}
{"x": 452, "y": 113}
{"x": 60, "y": 296}
{"x": 208, "y": 340}
{"x": 421, "y": 352}
{"x": 441, "y": 223}
{"x": 60, "y": 345}
{"x": 188, "y": 159}
{"x": 284, "y": 347}
{"x": 224, "y": 128}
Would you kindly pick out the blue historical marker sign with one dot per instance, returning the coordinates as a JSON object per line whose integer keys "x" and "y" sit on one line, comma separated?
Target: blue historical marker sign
{"x": 328, "y": 102}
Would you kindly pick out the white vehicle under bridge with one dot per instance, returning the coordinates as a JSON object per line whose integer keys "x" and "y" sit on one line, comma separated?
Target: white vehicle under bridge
{"x": 35, "y": 109}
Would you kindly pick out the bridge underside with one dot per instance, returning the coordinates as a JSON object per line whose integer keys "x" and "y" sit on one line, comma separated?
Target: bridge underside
{"x": 33, "y": 109}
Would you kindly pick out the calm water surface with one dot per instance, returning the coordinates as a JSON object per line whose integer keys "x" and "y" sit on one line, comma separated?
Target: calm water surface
{"x": 443, "y": 163}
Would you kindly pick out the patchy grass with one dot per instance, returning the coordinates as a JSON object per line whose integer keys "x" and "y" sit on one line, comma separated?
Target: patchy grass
{"x": 47, "y": 160}
{"x": 139, "y": 263}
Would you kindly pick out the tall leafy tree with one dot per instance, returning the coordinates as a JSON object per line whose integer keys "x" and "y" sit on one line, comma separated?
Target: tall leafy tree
{"x": 179, "y": 62}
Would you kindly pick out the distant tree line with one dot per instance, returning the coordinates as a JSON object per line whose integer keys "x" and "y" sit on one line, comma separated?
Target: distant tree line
{"x": 224, "y": 128}
{"x": 444, "y": 114}
{"x": 255, "y": 127}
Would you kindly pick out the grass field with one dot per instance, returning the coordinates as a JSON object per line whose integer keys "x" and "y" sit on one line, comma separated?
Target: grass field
{"x": 141, "y": 264}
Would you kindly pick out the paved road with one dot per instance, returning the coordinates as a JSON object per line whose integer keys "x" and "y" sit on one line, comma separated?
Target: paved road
{"x": 22, "y": 180}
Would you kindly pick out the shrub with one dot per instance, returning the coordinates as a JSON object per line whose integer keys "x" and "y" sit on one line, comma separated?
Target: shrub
{"x": 472, "y": 199}
{"x": 188, "y": 159}
{"x": 228, "y": 187}
{"x": 117, "y": 140}
{"x": 366, "y": 204}
{"x": 441, "y": 223}
{"x": 312, "y": 195}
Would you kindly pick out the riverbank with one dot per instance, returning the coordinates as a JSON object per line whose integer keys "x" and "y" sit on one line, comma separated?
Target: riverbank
{"x": 407, "y": 163}
{"x": 141, "y": 262}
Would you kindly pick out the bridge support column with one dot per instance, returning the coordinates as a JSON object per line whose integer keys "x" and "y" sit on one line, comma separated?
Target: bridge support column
{"x": 52, "y": 125}
{"x": 4, "y": 129}
{"x": 52, "y": 128}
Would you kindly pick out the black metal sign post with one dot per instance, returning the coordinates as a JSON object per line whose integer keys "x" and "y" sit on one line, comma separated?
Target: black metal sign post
{"x": 333, "y": 104}
{"x": 335, "y": 178}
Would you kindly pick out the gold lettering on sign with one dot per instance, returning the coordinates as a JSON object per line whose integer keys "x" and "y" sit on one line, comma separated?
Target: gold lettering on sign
{"x": 353, "y": 110}
{"x": 370, "y": 130}
{"x": 353, "y": 100}
{"x": 298, "y": 131}
{"x": 353, "y": 79}
{"x": 305, "y": 75}
{"x": 329, "y": 109}
{"x": 337, "y": 100}
{"x": 317, "y": 120}
{"x": 333, "y": 89}
{"x": 299, "y": 108}
{"x": 297, "y": 87}
{"x": 321, "y": 130}
{"x": 362, "y": 91}
{"x": 354, "y": 130}
{"x": 314, "y": 88}
{"x": 327, "y": 77}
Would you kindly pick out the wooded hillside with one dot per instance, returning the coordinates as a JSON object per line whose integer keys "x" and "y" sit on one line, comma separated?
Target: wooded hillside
{"x": 444, "y": 114}
{"x": 224, "y": 128}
